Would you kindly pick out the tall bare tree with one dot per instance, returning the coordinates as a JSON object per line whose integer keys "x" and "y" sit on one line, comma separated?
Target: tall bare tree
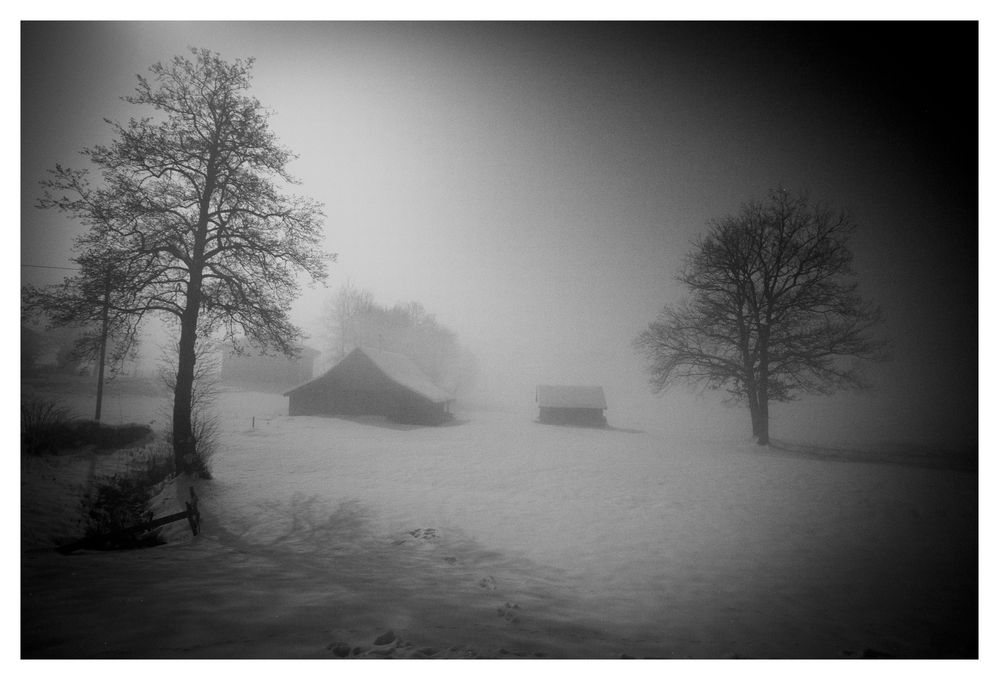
{"x": 193, "y": 209}
{"x": 773, "y": 309}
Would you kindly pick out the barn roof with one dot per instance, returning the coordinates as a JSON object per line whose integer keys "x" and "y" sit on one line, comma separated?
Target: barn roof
{"x": 398, "y": 368}
{"x": 571, "y": 396}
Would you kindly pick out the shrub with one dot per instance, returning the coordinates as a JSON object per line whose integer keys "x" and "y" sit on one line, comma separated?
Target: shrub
{"x": 85, "y": 432}
{"x": 206, "y": 431}
{"x": 47, "y": 428}
{"x": 42, "y": 422}
{"x": 119, "y": 436}
{"x": 121, "y": 501}
{"x": 118, "y": 502}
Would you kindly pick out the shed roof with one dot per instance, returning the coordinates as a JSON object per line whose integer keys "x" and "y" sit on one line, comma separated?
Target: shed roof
{"x": 571, "y": 396}
{"x": 398, "y": 368}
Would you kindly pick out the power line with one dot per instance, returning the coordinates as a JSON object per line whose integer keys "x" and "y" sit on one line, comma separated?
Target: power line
{"x": 47, "y": 266}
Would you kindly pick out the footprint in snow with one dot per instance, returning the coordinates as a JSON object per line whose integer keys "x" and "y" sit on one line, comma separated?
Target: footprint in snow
{"x": 509, "y": 612}
{"x": 424, "y": 534}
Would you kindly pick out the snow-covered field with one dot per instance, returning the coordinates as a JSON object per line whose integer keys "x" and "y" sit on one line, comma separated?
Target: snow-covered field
{"x": 496, "y": 536}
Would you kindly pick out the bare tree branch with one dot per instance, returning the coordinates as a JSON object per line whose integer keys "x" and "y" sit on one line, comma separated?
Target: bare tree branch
{"x": 192, "y": 217}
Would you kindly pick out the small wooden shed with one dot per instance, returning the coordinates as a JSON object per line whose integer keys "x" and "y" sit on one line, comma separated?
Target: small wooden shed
{"x": 373, "y": 382}
{"x": 572, "y": 405}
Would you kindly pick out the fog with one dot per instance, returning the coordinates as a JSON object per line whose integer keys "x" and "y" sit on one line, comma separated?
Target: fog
{"x": 535, "y": 186}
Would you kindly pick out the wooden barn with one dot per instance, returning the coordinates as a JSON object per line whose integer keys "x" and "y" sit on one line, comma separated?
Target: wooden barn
{"x": 572, "y": 405}
{"x": 373, "y": 382}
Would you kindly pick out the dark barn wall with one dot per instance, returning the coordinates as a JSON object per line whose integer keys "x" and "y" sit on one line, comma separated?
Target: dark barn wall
{"x": 328, "y": 398}
{"x": 332, "y": 400}
{"x": 397, "y": 404}
{"x": 593, "y": 417}
{"x": 413, "y": 408}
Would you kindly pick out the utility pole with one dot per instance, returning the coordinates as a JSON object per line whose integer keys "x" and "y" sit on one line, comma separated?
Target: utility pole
{"x": 105, "y": 313}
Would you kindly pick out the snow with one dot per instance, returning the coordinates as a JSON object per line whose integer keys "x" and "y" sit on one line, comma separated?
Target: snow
{"x": 500, "y": 533}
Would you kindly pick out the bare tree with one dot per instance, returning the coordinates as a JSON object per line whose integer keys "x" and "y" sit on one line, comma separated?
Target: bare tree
{"x": 341, "y": 318}
{"x": 96, "y": 301}
{"x": 191, "y": 208}
{"x": 773, "y": 310}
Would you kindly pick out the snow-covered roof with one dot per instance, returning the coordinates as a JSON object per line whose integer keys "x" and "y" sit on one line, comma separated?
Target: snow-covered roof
{"x": 400, "y": 369}
{"x": 571, "y": 396}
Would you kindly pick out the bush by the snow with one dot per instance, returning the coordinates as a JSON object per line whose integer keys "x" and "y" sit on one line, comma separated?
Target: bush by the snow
{"x": 47, "y": 428}
{"x": 122, "y": 501}
{"x": 41, "y": 419}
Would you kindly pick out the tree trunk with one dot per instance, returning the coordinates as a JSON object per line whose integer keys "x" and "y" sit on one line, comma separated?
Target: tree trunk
{"x": 184, "y": 443}
{"x": 754, "y": 416}
{"x": 763, "y": 400}
{"x": 183, "y": 432}
{"x": 754, "y": 409}
{"x": 753, "y": 398}
{"x": 763, "y": 434}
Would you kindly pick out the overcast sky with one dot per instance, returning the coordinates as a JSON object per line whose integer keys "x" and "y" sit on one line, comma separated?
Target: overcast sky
{"x": 536, "y": 185}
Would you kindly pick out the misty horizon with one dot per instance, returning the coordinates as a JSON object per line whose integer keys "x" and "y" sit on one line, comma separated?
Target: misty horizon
{"x": 537, "y": 186}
